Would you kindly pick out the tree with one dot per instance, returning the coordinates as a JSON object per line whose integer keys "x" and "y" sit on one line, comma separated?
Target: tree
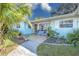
{"x": 12, "y": 14}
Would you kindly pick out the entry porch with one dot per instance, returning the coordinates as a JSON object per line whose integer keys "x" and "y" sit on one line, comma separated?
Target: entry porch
{"x": 40, "y": 28}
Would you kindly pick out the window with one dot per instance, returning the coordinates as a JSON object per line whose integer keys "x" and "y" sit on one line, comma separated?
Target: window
{"x": 67, "y": 23}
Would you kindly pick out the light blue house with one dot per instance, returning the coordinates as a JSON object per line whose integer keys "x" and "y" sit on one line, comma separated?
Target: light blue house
{"x": 62, "y": 24}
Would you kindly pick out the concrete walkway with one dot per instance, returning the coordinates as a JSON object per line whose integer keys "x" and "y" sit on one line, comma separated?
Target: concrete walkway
{"x": 28, "y": 48}
{"x": 34, "y": 42}
{"x": 31, "y": 45}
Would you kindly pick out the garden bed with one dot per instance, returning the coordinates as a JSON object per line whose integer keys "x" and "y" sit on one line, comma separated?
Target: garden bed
{"x": 55, "y": 40}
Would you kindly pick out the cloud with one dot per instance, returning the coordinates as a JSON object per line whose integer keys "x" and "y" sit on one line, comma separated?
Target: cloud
{"x": 45, "y": 6}
{"x": 34, "y": 5}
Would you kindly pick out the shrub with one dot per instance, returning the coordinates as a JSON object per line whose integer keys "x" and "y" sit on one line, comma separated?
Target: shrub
{"x": 73, "y": 37}
{"x": 53, "y": 36}
{"x": 51, "y": 33}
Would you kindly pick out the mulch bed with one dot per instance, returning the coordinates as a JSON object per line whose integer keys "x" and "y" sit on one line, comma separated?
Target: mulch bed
{"x": 55, "y": 40}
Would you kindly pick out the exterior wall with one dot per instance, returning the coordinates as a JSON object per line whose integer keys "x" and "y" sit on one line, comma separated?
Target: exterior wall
{"x": 24, "y": 29}
{"x": 63, "y": 31}
{"x": 54, "y": 24}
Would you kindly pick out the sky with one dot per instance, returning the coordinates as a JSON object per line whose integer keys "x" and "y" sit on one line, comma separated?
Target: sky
{"x": 43, "y": 10}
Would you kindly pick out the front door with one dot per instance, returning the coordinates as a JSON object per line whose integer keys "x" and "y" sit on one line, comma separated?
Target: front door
{"x": 41, "y": 27}
{"x": 35, "y": 28}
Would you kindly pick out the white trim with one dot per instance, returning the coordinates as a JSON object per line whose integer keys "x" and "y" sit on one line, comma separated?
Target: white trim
{"x": 57, "y": 18}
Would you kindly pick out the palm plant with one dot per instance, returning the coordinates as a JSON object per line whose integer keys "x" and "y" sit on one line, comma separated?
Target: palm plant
{"x": 12, "y": 14}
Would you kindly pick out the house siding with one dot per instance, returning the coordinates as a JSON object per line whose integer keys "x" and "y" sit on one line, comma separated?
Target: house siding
{"x": 24, "y": 29}
{"x": 64, "y": 31}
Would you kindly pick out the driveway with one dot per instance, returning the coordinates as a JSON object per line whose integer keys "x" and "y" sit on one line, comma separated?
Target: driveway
{"x": 34, "y": 42}
{"x": 28, "y": 48}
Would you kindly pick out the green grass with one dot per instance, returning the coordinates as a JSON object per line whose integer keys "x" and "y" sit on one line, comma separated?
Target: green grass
{"x": 7, "y": 47}
{"x": 55, "y": 50}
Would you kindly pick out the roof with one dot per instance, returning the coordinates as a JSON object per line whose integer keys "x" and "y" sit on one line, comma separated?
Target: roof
{"x": 56, "y": 18}
{"x": 70, "y": 15}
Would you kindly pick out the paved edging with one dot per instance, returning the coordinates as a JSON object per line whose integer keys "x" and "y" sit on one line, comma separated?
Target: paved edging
{"x": 58, "y": 44}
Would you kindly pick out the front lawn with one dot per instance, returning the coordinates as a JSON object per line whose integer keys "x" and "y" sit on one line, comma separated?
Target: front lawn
{"x": 57, "y": 50}
{"x": 7, "y": 47}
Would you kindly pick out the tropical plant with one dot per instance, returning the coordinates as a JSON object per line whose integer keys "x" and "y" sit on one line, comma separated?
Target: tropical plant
{"x": 12, "y": 14}
{"x": 51, "y": 33}
{"x": 73, "y": 37}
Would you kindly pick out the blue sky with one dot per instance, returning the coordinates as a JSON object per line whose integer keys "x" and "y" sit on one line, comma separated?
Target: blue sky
{"x": 39, "y": 11}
